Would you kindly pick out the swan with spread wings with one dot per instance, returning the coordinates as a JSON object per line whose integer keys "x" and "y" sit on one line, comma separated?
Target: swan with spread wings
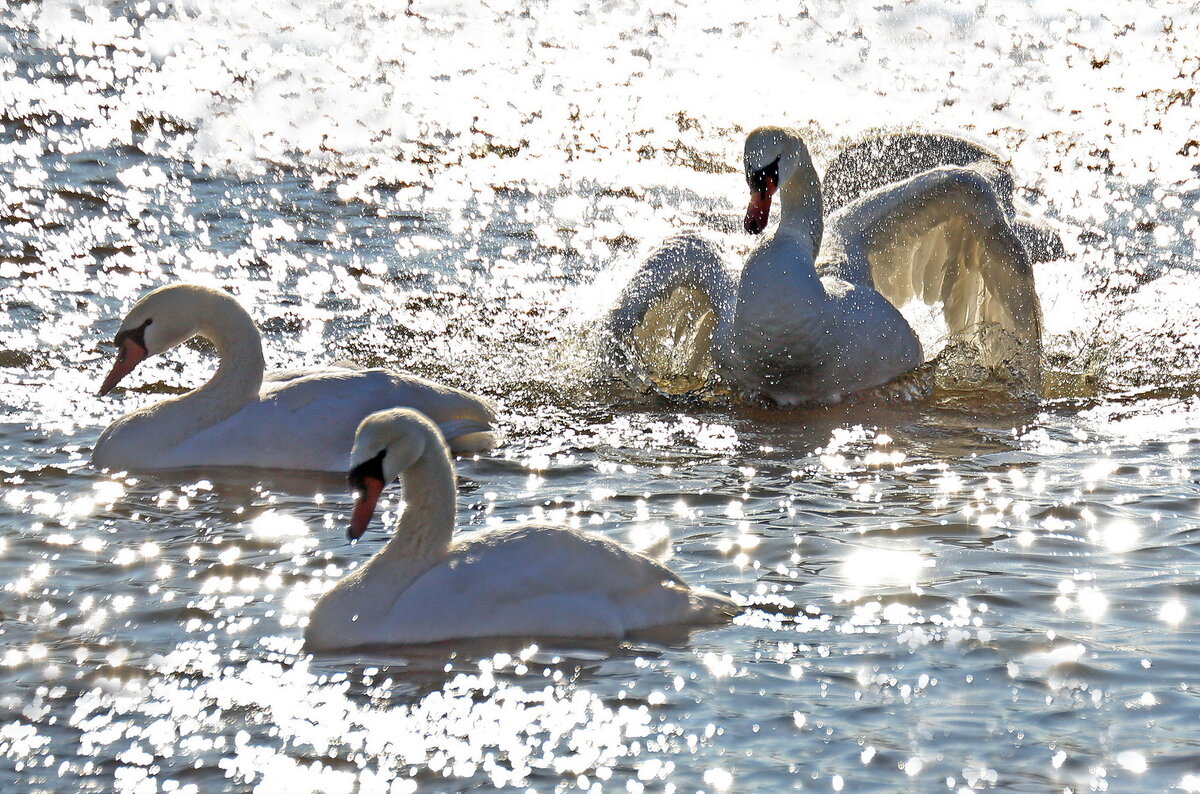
{"x": 814, "y": 315}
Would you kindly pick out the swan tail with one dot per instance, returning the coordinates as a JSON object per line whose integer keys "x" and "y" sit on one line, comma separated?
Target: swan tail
{"x": 468, "y": 435}
{"x": 709, "y": 607}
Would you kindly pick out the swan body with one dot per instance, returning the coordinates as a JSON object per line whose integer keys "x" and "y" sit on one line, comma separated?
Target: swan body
{"x": 526, "y": 581}
{"x": 814, "y": 314}
{"x": 293, "y": 419}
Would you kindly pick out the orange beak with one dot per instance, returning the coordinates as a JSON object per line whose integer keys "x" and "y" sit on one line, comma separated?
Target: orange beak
{"x": 759, "y": 211}
{"x": 129, "y": 356}
{"x": 364, "y": 507}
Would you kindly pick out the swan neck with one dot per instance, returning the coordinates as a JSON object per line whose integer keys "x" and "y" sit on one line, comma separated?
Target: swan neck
{"x": 239, "y": 375}
{"x": 425, "y": 527}
{"x": 801, "y": 208}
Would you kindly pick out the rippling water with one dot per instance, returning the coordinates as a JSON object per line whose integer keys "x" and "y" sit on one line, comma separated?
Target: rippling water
{"x": 953, "y": 595}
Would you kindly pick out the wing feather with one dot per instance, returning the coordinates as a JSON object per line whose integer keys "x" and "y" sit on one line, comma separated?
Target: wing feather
{"x": 661, "y": 330}
{"x": 541, "y": 581}
{"x": 877, "y": 161}
{"x": 314, "y": 414}
{"x": 944, "y": 237}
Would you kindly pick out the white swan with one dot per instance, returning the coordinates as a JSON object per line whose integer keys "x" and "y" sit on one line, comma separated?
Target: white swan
{"x": 523, "y": 581}
{"x": 294, "y": 419}
{"x": 814, "y": 315}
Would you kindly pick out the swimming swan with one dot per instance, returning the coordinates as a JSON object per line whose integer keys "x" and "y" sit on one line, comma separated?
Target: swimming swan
{"x": 523, "y": 581}
{"x": 814, "y": 314}
{"x": 292, "y": 419}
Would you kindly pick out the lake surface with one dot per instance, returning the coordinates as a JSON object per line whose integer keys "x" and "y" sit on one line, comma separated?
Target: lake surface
{"x": 966, "y": 593}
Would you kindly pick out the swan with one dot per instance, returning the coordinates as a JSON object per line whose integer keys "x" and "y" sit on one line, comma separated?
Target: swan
{"x": 814, "y": 316}
{"x": 290, "y": 419}
{"x": 531, "y": 580}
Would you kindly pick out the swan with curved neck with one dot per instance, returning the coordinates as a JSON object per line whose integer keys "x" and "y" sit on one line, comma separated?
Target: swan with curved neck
{"x": 525, "y": 581}
{"x": 815, "y": 315}
{"x": 296, "y": 419}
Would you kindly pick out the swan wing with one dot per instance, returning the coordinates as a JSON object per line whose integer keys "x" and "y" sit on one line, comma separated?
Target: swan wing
{"x": 339, "y": 367}
{"x": 943, "y": 237}
{"x": 880, "y": 160}
{"x": 466, "y": 421}
{"x": 313, "y": 415}
{"x": 661, "y": 331}
{"x": 541, "y": 581}
{"x": 371, "y": 386}
{"x": 278, "y": 377}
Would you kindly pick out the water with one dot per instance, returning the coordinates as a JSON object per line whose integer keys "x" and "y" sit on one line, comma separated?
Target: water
{"x": 959, "y": 594}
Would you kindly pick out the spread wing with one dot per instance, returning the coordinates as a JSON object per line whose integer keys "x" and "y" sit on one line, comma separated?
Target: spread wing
{"x": 660, "y": 331}
{"x": 943, "y": 237}
{"x": 878, "y": 161}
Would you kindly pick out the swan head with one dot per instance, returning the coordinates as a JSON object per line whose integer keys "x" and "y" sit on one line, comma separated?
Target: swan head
{"x": 771, "y": 158}
{"x": 385, "y": 445}
{"x": 161, "y": 319}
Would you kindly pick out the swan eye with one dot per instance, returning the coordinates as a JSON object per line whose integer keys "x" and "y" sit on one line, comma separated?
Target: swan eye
{"x": 765, "y": 179}
{"x": 135, "y": 335}
{"x": 373, "y": 468}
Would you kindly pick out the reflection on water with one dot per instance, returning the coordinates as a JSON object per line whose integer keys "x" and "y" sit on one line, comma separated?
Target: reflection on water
{"x": 968, "y": 592}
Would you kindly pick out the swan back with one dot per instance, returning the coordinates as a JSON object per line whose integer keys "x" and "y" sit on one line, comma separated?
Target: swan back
{"x": 539, "y": 580}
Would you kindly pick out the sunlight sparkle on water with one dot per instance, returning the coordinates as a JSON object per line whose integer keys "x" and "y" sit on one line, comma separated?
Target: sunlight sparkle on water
{"x": 273, "y": 524}
{"x": 653, "y": 538}
{"x": 374, "y": 191}
{"x": 1172, "y": 612}
{"x": 877, "y": 566}
{"x": 1119, "y": 536}
{"x": 719, "y": 779}
{"x": 472, "y": 722}
{"x": 1133, "y": 761}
